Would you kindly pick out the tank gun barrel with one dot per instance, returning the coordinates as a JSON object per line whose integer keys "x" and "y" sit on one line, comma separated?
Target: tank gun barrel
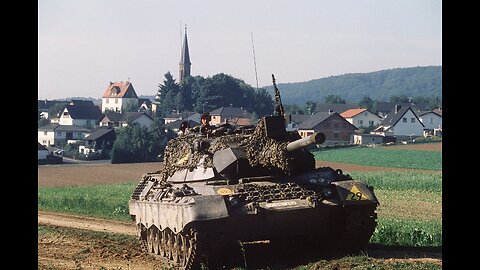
{"x": 315, "y": 138}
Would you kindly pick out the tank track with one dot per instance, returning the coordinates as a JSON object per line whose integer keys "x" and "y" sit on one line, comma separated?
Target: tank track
{"x": 182, "y": 250}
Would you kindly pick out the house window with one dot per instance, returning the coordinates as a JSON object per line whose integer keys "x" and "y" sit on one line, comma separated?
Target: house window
{"x": 335, "y": 125}
{"x": 59, "y": 133}
{"x": 107, "y": 100}
{"x": 431, "y": 120}
{"x": 360, "y": 122}
{"x": 370, "y": 123}
{"x": 412, "y": 120}
{"x": 116, "y": 101}
{"x": 45, "y": 133}
{"x": 88, "y": 122}
{"x": 404, "y": 120}
{"x": 65, "y": 114}
{"x": 335, "y": 134}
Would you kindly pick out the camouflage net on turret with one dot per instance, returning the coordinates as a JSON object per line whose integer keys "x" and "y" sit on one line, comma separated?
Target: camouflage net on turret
{"x": 260, "y": 151}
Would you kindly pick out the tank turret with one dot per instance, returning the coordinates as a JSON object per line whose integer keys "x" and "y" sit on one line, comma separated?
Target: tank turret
{"x": 248, "y": 184}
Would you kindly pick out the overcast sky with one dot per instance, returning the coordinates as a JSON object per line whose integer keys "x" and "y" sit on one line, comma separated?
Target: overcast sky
{"x": 83, "y": 45}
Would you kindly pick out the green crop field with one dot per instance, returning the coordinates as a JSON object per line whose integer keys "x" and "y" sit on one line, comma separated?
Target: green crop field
{"x": 382, "y": 157}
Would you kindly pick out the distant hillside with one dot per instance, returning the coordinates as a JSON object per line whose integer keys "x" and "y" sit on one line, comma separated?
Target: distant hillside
{"x": 379, "y": 85}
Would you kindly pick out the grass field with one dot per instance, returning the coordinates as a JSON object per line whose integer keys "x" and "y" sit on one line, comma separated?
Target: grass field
{"x": 384, "y": 157}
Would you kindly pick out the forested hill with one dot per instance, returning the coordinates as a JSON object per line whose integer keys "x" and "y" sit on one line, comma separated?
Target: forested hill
{"x": 378, "y": 85}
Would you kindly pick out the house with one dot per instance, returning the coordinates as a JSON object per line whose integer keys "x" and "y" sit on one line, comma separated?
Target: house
{"x": 80, "y": 115}
{"x": 361, "y": 118}
{"x": 362, "y": 139}
{"x": 141, "y": 118}
{"x": 44, "y": 106}
{"x": 294, "y": 120}
{"x": 231, "y": 115}
{"x": 42, "y": 151}
{"x": 175, "y": 125}
{"x": 144, "y": 105}
{"x": 401, "y": 123}
{"x": 431, "y": 119}
{"x": 110, "y": 119}
{"x": 338, "y": 108}
{"x": 337, "y": 130}
{"x": 100, "y": 138}
{"x": 384, "y": 108}
{"x": 182, "y": 116}
{"x": 81, "y": 102}
{"x": 60, "y": 135}
{"x": 118, "y": 95}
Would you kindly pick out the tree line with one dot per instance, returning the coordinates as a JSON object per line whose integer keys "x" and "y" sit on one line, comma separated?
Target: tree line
{"x": 199, "y": 94}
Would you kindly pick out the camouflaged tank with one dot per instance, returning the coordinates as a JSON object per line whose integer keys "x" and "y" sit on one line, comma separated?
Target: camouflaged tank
{"x": 248, "y": 184}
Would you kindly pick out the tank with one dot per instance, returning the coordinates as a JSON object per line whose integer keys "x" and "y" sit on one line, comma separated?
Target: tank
{"x": 247, "y": 184}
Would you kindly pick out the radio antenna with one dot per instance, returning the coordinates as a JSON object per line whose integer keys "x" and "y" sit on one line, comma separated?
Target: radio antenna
{"x": 254, "y": 61}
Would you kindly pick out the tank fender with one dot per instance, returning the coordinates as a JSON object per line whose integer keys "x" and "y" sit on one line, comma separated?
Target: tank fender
{"x": 176, "y": 215}
{"x": 355, "y": 192}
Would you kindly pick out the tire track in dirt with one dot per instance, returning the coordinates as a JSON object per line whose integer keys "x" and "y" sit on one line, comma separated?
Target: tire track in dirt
{"x": 86, "y": 223}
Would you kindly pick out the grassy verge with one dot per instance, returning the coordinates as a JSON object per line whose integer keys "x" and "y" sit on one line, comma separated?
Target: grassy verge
{"x": 105, "y": 201}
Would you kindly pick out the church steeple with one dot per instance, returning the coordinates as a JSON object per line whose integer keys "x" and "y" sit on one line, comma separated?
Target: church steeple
{"x": 184, "y": 60}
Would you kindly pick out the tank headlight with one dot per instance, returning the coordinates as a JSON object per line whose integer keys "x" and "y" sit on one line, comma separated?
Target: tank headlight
{"x": 327, "y": 192}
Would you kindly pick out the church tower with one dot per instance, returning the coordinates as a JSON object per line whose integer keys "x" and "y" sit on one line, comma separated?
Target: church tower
{"x": 184, "y": 60}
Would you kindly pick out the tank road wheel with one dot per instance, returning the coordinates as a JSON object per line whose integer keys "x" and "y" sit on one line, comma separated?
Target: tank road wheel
{"x": 168, "y": 244}
{"x": 182, "y": 249}
{"x": 150, "y": 236}
{"x": 156, "y": 241}
{"x": 176, "y": 249}
{"x": 163, "y": 243}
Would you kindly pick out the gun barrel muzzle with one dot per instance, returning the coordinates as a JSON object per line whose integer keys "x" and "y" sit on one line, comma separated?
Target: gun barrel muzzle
{"x": 315, "y": 138}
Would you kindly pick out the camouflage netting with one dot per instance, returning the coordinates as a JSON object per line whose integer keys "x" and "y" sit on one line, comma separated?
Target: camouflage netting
{"x": 260, "y": 151}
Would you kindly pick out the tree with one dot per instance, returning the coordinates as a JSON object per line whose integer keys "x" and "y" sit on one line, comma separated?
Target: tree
{"x": 334, "y": 99}
{"x": 166, "y": 95}
{"x": 310, "y": 107}
{"x": 399, "y": 99}
{"x": 134, "y": 143}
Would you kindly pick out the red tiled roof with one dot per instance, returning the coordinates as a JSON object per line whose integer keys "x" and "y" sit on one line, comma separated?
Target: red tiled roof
{"x": 120, "y": 89}
{"x": 352, "y": 112}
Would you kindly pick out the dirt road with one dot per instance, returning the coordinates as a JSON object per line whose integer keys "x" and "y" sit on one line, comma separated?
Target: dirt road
{"x": 61, "y": 248}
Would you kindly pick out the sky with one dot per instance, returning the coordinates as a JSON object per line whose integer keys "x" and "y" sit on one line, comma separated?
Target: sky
{"x": 85, "y": 45}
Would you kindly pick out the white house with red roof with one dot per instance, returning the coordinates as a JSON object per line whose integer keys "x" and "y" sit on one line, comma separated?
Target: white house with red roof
{"x": 118, "y": 95}
{"x": 361, "y": 118}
